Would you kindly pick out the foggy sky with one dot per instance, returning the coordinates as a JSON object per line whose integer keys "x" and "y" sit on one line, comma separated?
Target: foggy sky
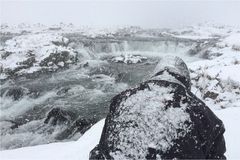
{"x": 112, "y": 13}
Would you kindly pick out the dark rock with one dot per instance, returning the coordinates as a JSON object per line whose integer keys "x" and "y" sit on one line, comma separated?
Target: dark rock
{"x": 54, "y": 28}
{"x": 85, "y": 65}
{"x": 58, "y": 116}
{"x": 28, "y": 63}
{"x": 211, "y": 95}
{"x": 55, "y": 58}
{"x": 96, "y": 154}
{"x": 152, "y": 153}
{"x": 81, "y": 125}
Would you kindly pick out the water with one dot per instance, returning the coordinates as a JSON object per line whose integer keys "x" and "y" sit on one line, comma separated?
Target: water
{"x": 84, "y": 91}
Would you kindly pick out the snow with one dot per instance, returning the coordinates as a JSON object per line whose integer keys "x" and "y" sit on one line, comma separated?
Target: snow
{"x": 137, "y": 119}
{"x": 226, "y": 72}
{"x": 202, "y": 31}
{"x": 221, "y": 81}
{"x": 233, "y": 39}
{"x": 92, "y": 32}
{"x": 61, "y": 64}
{"x": 219, "y": 75}
{"x": 80, "y": 149}
{"x": 231, "y": 119}
{"x": 24, "y": 28}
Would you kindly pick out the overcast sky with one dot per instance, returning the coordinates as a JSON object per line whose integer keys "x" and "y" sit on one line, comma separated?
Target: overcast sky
{"x": 118, "y": 12}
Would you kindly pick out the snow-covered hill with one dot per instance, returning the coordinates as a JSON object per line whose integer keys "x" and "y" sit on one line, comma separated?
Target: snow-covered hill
{"x": 217, "y": 80}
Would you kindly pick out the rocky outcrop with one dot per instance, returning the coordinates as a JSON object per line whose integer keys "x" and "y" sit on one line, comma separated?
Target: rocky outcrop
{"x": 28, "y": 54}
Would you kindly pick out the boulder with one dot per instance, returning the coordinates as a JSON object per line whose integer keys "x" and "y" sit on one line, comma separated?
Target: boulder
{"x": 211, "y": 95}
{"x": 58, "y": 116}
{"x": 81, "y": 125}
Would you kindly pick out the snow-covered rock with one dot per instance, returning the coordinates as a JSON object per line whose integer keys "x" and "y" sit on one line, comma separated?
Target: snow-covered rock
{"x": 35, "y": 52}
{"x": 216, "y": 87}
{"x": 131, "y": 121}
{"x": 129, "y": 59}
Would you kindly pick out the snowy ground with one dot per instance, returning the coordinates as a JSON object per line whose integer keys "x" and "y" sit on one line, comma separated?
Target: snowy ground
{"x": 80, "y": 149}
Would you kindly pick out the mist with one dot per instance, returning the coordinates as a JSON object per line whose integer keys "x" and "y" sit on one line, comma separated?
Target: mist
{"x": 118, "y": 13}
